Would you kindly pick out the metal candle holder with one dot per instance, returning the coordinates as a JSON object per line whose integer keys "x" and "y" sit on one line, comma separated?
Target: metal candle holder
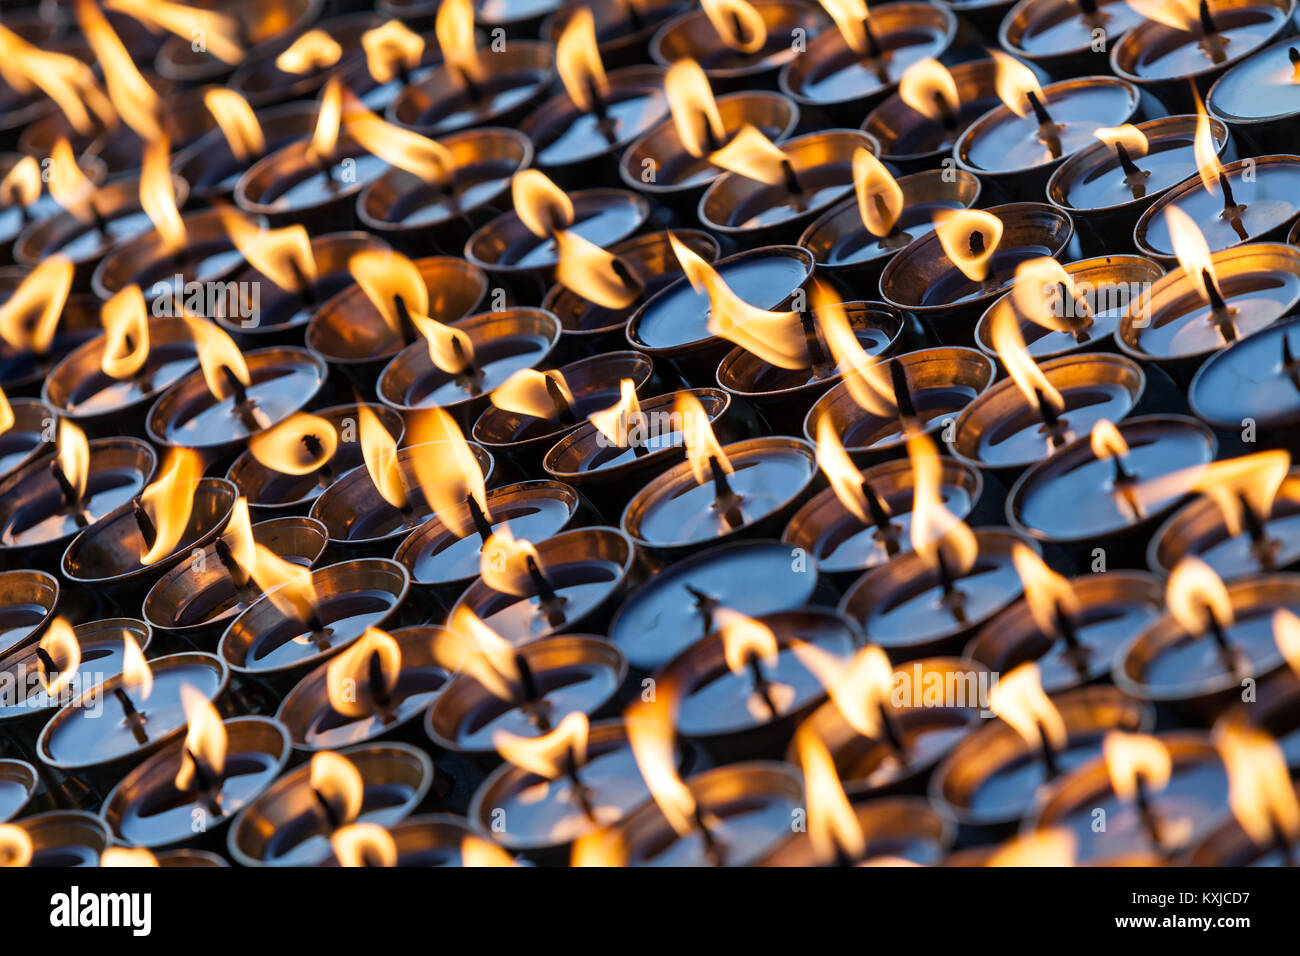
{"x": 22, "y": 371}
{"x": 65, "y": 838}
{"x": 1061, "y": 35}
{"x": 897, "y": 828}
{"x": 24, "y": 441}
{"x": 1258, "y": 109}
{"x": 29, "y": 599}
{"x": 18, "y": 783}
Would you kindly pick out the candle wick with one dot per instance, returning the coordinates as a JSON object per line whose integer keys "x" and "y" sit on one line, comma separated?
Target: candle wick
{"x": 1294, "y": 56}
{"x": 380, "y": 694}
{"x": 101, "y": 224}
{"x": 953, "y": 599}
{"x": 1051, "y": 768}
{"x": 947, "y": 113}
{"x": 761, "y": 685}
{"x": 324, "y": 474}
{"x": 1048, "y": 131}
{"x": 71, "y": 498}
{"x": 724, "y": 498}
{"x": 1147, "y": 812}
{"x": 244, "y": 407}
{"x": 1134, "y": 177}
{"x": 403, "y": 72}
{"x": 890, "y": 733}
{"x": 481, "y": 523}
{"x": 713, "y": 847}
{"x": 1263, "y": 547}
{"x": 1281, "y": 841}
{"x": 1220, "y": 313}
{"x": 238, "y": 576}
{"x": 473, "y": 92}
{"x": 880, "y": 518}
{"x": 874, "y": 49}
{"x": 563, "y": 410}
{"x": 48, "y": 667}
{"x": 1206, "y": 17}
{"x": 332, "y": 818}
{"x": 902, "y": 395}
{"x": 546, "y": 596}
{"x": 533, "y": 702}
{"x": 1088, "y": 7}
{"x": 705, "y": 604}
{"x": 633, "y": 15}
{"x": 206, "y": 782}
{"x": 1232, "y": 211}
{"x": 1220, "y": 637}
{"x": 142, "y": 520}
{"x": 406, "y": 326}
{"x": 16, "y": 199}
{"x": 143, "y": 376}
{"x": 302, "y": 285}
{"x": 816, "y": 354}
{"x": 1057, "y": 428}
{"x": 131, "y": 716}
{"x": 626, "y": 276}
{"x": 580, "y": 791}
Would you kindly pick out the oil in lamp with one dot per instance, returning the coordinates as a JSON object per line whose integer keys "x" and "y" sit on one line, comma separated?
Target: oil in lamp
{"x": 854, "y": 240}
{"x": 62, "y": 838}
{"x": 673, "y": 162}
{"x": 305, "y": 65}
{"x": 740, "y": 43}
{"x": 1257, "y": 99}
{"x": 526, "y": 691}
{"x": 1103, "y": 290}
{"x": 1162, "y": 794}
{"x": 22, "y": 432}
{"x": 727, "y": 816}
{"x": 232, "y": 396}
{"x": 306, "y": 616}
{"x": 29, "y": 601}
{"x": 719, "y": 492}
{"x": 1113, "y": 181}
{"x": 1185, "y": 43}
{"x": 931, "y": 599}
{"x": 359, "y": 329}
{"x": 1042, "y": 408}
{"x": 846, "y": 71}
{"x": 1000, "y": 774}
{"x": 951, "y": 275}
{"x": 192, "y": 788}
{"x": 885, "y": 728}
{"x": 471, "y": 89}
{"x": 292, "y": 822}
{"x": 745, "y": 687}
{"x": 377, "y": 687}
{"x": 1070, "y": 629}
{"x": 569, "y": 583}
{"x": 579, "y": 133}
{"x": 1014, "y": 148}
{"x": 1067, "y": 37}
{"x": 1241, "y": 523}
{"x": 524, "y": 248}
{"x": 369, "y": 510}
{"x": 1106, "y": 489}
{"x": 863, "y": 519}
{"x": 1214, "y": 636}
{"x": 1249, "y": 200}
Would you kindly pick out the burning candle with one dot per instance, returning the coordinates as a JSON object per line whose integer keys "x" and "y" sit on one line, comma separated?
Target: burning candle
{"x": 848, "y": 70}
{"x": 1257, "y": 97}
{"x": 302, "y": 67}
{"x": 1067, "y": 36}
{"x": 395, "y": 58}
{"x": 623, "y": 27}
{"x": 29, "y": 601}
{"x": 23, "y": 198}
{"x": 35, "y": 336}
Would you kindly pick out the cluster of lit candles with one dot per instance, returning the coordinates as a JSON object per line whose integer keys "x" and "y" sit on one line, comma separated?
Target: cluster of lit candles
{"x": 641, "y": 432}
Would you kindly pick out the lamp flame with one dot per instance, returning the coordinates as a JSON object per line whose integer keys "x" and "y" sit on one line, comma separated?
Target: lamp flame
{"x": 21, "y": 186}
{"x": 157, "y": 195}
{"x": 379, "y": 452}
{"x": 833, "y": 828}
{"x": 168, "y": 502}
{"x": 1260, "y": 791}
{"x": 1106, "y": 440}
{"x": 390, "y": 48}
{"x": 880, "y": 200}
{"x": 969, "y": 238}
{"x": 1192, "y": 250}
{"x": 338, "y": 782}
{"x": 282, "y": 255}
{"x": 205, "y": 739}
{"x": 1029, "y": 378}
{"x": 363, "y": 844}
{"x": 1249, "y": 482}
{"x": 617, "y": 421}
{"x": 694, "y": 110}
{"x": 543, "y": 207}
{"x": 751, "y": 154}
{"x": 217, "y": 351}
{"x": 505, "y": 562}
{"x": 219, "y": 32}
{"x": 550, "y": 755}
{"x": 1197, "y": 597}
{"x": 1131, "y": 758}
{"x": 446, "y": 469}
{"x": 454, "y": 26}
{"x": 66, "y": 80}
{"x": 488, "y": 657}
{"x": 314, "y": 50}
{"x": 650, "y": 733}
{"x": 702, "y": 448}
{"x": 237, "y": 122}
{"x": 1055, "y": 846}
{"x": 15, "y": 845}
{"x": 386, "y": 276}
{"x": 419, "y": 155}
{"x": 126, "y": 333}
{"x": 135, "y": 101}
{"x": 69, "y": 185}
{"x": 299, "y": 445}
{"x": 1039, "y": 294}
{"x": 74, "y": 456}
{"x": 137, "y": 675}
{"x": 577, "y": 59}
{"x": 30, "y": 316}
{"x": 937, "y": 534}
{"x": 1014, "y": 82}
{"x": 927, "y": 87}
{"x": 1286, "y": 633}
{"x": 1047, "y": 593}
{"x": 844, "y": 476}
{"x": 359, "y": 680}
{"x": 738, "y": 24}
{"x": 1129, "y": 136}
{"x": 533, "y": 393}
{"x": 61, "y": 646}
{"x": 860, "y": 690}
{"x": 329, "y": 116}
{"x": 1018, "y": 698}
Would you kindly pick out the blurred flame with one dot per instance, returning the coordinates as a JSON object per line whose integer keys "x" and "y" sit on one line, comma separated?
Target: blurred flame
{"x": 6, "y": 413}
{"x": 737, "y": 23}
{"x": 419, "y": 155}
{"x": 69, "y": 82}
{"x": 751, "y": 154}
{"x": 1193, "y": 592}
{"x": 543, "y": 207}
{"x": 577, "y": 60}
{"x": 127, "y": 856}
{"x": 1056, "y": 846}
{"x": 549, "y": 755}
{"x": 132, "y": 96}
{"x": 926, "y": 82}
{"x": 1039, "y": 292}
{"x": 694, "y": 110}
{"x": 844, "y": 476}
{"x": 957, "y": 230}
{"x": 1255, "y": 479}
{"x": 850, "y": 17}
{"x": 1106, "y": 440}
{"x": 137, "y": 675}
{"x": 775, "y": 337}
{"x": 169, "y": 500}
{"x": 935, "y": 529}
{"x": 529, "y": 392}
{"x": 364, "y": 844}
{"x": 446, "y": 469}
{"x": 237, "y": 121}
{"x": 620, "y": 418}
{"x": 74, "y": 456}
{"x": 325, "y": 136}
{"x": 650, "y": 733}
{"x": 314, "y": 50}
{"x": 205, "y": 738}
{"x": 299, "y": 445}
{"x": 1178, "y": 14}
{"x": 238, "y": 535}
{"x": 592, "y": 272}
{"x": 859, "y": 690}
{"x": 1014, "y": 83}
{"x": 1029, "y": 378}
{"x": 1206, "y": 156}
{"x": 379, "y": 451}
{"x": 1260, "y": 791}
{"x": 60, "y": 643}
{"x": 866, "y": 378}
{"x": 217, "y": 350}
{"x": 1018, "y": 698}
{"x": 385, "y": 275}
{"x": 22, "y": 184}
{"x": 389, "y": 46}
{"x": 880, "y": 200}
{"x": 1046, "y": 592}
{"x": 68, "y": 184}
{"x": 454, "y": 26}
{"x": 478, "y": 852}
{"x": 350, "y": 673}
{"x": 282, "y": 255}
{"x": 30, "y": 316}
{"x": 219, "y": 32}
{"x": 833, "y": 828}
{"x": 1286, "y": 632}
{"x": 126, "y": 333}
{"x": 1192, "y": 250}
{"x": 504, "y": 563}
{"x": 697, "y": 436}
{"x": 1130, "y": 757}
{"x": 157, "y": 195}
{"x": 338, "y": 781}
{"x": 15, "y": 845}
{"x": 1129, "y": 136}
{"x": 743, "y": 638}
{"x": 488, "y": 658}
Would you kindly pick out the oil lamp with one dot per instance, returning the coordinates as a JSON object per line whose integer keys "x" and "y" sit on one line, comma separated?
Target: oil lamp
{"x": 623, "y": 27}
{"x": 306, "y": 616}
{"x": 302, "y": 67}
{"x": 885, "y": 729}
{"x": 1067, "y": 37}
{"x": 1015, "y": 147}
{"x": 526, "y": 691}
{"x": 47, "y": 502}
{"x": 435, "y": 839}
{"x": 232, "y": 396}
{"x": 747, "y": 487}
{"x": 744, "y": 688}
{"x": 395, "y": 57}
{"x": 740, "y": 43}
{"x": 1256, "y": 98}
{"x": 30, "y": 598}
{"x": 1071, "y": 629}
{"x": 879, "y": 402}
{"x": 1194, "y": 658}
{"x": 1000, "y": 774}
{"x": 1162, "y": 794}
{"x": 1241, "y": 523}
{"x": 375, "y": 688}
{"x": 951, "y": 275}
{"x": 23, "y": 198}
{"x": 23, "y": 423}
{"x": 929, "y": 600}
{"x": 286, "y": 468}
{"x": 18, "y": 783}
{"x": 192, "y": 788}
{"x": 43, "y": 76}
{"x": 846, "y": 71}
{"x": 579, "y": 133}
{"x": 1080, "y": 316}
{"x": 569, "y": 583}
{"x": 244, "y": 31}
{"x": 40, "y": 323}
{"x": 1112, "y": 486}
{"x": 1185, "y": 41}
{"x": 673, "y": 162}
{"x": 292, "y": 821}
{"x": 62, "y": 838}
{"x": 470, "y": 89}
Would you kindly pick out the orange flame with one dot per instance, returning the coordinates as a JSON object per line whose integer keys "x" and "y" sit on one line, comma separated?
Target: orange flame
{"x": 217, "y": 351}
{"x": 488, "y": 657}
{"x": 282, "y": 255}
{"x": 477, "y": 853}
{"x": 860, "y": 690}
{"x": 592, "y": 272}
{"x": 325, "y": 137}
{"x": 1203, "y": 151}
{"x": 137, "y": 675}
{"x": 1106, "y": 440}
{"x": 751, "y": 154}
{"x": 737, "y": 23}
{"x": 1286, "y": 632}
{"x": 364, "y": 844}
{"x": 454, "y": 26}
{"x": 505, "y": 561}
{"x": 127, "y": 857}
{"x": 1129, "y": 136}
{"x": 299, "y": 445}
{"x": 15, "y": 845}
{"x": 702, "y": 448}
{"x": 337, "y": 781}
{"x": 21, "y": 186}
{"x": 418, "y": 155}
{"x": 620, "y": 418}
{"x": 743, "y": 638}
{"x": 1039, "y": 294}
{"x": 375, "y": 656}
{"x": 169, "y": 500}
{"x": 389, "y": 48}
{"x": 833, "y": 828}
{"x": 6, "y": 413}
{"x": 1014, "y": 83}
{"x": 314, "y": 50}
{"x": 1046, "y": 592}
{"x": 927, "y": 87}
{"x": 969, "y": 238}
{"x": 157, "y": 197}
{"x": 880, "y": 200}
{"x": 205, "y": 739}
{"x": 1251, "y": 481}
{"x": 1260, "y": 791}
{"x": 126, "y": 333}
{"x": 1133, "y": 757}
{"x": 74, "y": 456}
{"x": 66, "y": 80}
{"x": 550, "y": 755}
{"x": 694, "y": 110}
{"x": 69, "y": 185}
{"x": 379, "y": 451}
{"x": 446, "y": 469}
{"x": 1192, "y": 250}
{"x": 840, "y": 471}
{"x": 1197, "y": 597}
{"x": 577, "y": 59}
{"x": 1018, "y": 698}
{"x": 132, "y": 96}
{"x": 1178, "y": 14}
{"x": 541, "y": 206}
{"x": 1024, "y": 371}
{"x": 288, "y": 586}
{"x": 1056, "y": 846}
{"x": 529, "y": 392}
{"x": 650, "y": 734}
{"x": 850, "y": 17}
{"x": 936, "y": 532}
{"x": 866, "y": 377}
{"x": 60, "y": 644}
{"x": 237, "y": 121}
{"x": 42, "y": 295}
{"x": 239, "y": 536}
{"x": 385, "y": 276}
{"x": 219, "y": 32}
